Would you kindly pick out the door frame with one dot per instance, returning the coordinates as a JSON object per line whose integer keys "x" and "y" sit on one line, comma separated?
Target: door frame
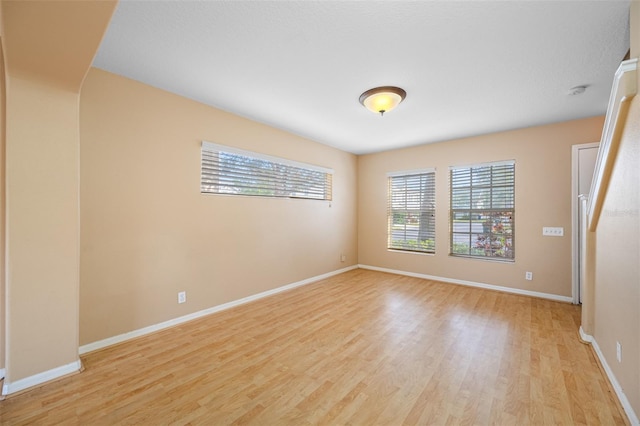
{"x": 575, "y": 220}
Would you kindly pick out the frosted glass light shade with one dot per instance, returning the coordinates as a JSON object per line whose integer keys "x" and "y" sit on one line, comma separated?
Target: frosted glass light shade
{"x": 382, "y": 99}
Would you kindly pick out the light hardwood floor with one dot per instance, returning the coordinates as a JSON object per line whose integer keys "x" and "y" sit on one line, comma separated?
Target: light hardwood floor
{"x": 362, "y": 348}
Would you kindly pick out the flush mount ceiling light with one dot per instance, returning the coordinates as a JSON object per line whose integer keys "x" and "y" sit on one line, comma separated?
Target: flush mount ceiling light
{"x": 382, "y": 99}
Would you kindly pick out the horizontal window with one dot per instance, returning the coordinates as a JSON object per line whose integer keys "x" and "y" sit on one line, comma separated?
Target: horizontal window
{"x": 227, "y": 170}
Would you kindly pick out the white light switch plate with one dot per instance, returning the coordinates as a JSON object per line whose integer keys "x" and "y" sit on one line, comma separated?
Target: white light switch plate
{"x": 551, "y": 231}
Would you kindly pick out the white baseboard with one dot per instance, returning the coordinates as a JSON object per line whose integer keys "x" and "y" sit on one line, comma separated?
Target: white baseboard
{"x": 626, "y": 406}
{"x": 156, "y": 327}
{"x": 585, "y": 337}
{"x": 40, "y": 378}
{"x": 554, "y": 297}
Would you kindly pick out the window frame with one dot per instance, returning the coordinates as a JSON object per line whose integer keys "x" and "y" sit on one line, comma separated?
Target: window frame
{"x": 408, "y": 246}
{"x": 249, "y": 173}
{"x": 497, "y": 239}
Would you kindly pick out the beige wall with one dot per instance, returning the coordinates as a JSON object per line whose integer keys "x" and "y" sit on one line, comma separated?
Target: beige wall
{"x": 634, "y": 24}
{"x": 616, "y": 298}
{"x": 147, "y": 232}
{"x": 543, "y": 198}
{"x": 42, "y": 208}
{"x": 617, "y": 269}
{"x": 47, "y": 48}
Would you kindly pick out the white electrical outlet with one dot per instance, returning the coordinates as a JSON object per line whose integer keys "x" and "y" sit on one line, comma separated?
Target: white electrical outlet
{"x": 182, "y": 297}
{"x": 618, "y": 351}
{"x": 528, "y": 276}
{"x": 343, "y": 257}
{"x": 551, "y": 231}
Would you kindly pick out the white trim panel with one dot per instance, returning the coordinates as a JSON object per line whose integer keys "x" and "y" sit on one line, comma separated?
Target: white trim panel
{"x": 411, "y": 172}
{"x": 548, "y": 296}
{"x": 90, "y": 347}
{"x": 624, "y": 88}
{"x": 214, "y": 147}
{"x": 585, "y": 337}
{"x": 40, "y": 378}
{"x": 633, "y": 418}
{"x": 575, "y": 217}
{"x": 495, "y": 163}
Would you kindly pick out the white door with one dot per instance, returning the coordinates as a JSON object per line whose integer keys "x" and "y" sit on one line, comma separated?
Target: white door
{"x": 583, "y": 165}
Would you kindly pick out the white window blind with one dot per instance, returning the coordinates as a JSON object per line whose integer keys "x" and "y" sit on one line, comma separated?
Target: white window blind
{"x": 227, "y": 170}
{"x": 411, "y": 211}
{"x": 483, "y": 210}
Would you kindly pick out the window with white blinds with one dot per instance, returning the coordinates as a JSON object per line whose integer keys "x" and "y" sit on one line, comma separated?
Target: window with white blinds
{"x": 227, "y": 170}
{"x": 411, "y": 211}
{"x": 483, "y": 210}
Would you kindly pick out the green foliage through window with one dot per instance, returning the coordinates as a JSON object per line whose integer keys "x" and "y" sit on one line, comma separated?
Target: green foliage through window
{"x": 411, "y": 211}
{"x": 483, "y": 210}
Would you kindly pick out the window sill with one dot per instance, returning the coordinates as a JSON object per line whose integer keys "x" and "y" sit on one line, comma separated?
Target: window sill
{"x": 484, "y": 259}
{"x": 421, "y": 253}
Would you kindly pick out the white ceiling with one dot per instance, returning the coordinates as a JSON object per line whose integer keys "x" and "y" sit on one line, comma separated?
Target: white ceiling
{"x": 469, "y": 67}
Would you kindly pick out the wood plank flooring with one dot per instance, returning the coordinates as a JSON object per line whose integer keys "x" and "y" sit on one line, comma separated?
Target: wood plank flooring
{"x": 361, "y": 348}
